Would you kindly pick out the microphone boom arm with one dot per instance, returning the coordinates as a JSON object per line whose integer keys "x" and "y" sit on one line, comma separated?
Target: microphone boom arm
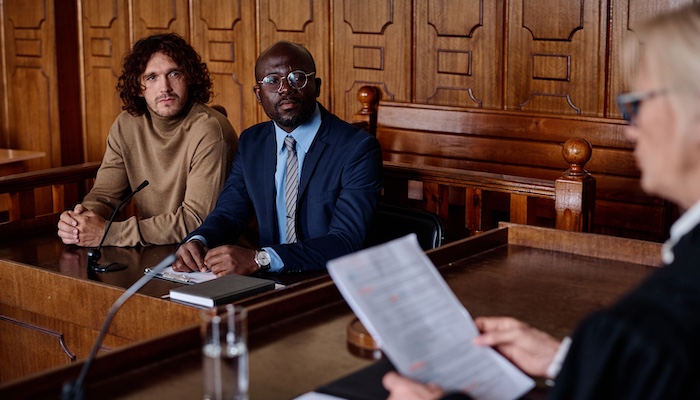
{"x": 74, "y": 390}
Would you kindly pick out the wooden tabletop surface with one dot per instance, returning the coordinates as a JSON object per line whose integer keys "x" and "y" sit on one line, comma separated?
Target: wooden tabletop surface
{"x": 549, "y": 289}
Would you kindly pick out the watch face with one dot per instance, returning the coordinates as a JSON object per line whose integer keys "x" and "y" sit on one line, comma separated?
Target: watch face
{"x": 263, "y": 259}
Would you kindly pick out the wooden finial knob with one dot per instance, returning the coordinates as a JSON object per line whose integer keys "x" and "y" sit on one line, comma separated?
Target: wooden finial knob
{"x": 367, "y": 96}
{"x": 577, "y": 152}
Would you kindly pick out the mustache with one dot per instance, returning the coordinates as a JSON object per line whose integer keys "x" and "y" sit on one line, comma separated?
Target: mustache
{"x": 289, "y": 99}
{"x": 167, "y": 97}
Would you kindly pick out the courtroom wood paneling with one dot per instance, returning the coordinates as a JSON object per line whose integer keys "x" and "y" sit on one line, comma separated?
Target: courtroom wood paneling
{"x": 49, "y": 304}
{"x": 49, "y": 352}
{"x": 31, "y": 91}
{"x": 157, "y": 16}
{"x": 555, "y": 60}
{"x": 105, "y": 39}
{"x": 371, "y": 46}
{"x": 223, "y": 34}
{"x": 68, "y": 77}
{"x": 459, "y": 53}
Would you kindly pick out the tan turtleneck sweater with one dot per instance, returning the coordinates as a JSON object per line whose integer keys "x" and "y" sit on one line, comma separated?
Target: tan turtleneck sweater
{"x": 186, "y": 161}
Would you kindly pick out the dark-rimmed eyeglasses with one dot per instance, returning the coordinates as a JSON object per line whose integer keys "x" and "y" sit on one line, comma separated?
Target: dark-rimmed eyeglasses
{"x": 629, "y": 103}
{"x": 297, "y": 80}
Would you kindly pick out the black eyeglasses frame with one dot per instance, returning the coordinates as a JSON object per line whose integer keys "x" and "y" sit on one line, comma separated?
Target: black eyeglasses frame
{"x": 629, "y": 103}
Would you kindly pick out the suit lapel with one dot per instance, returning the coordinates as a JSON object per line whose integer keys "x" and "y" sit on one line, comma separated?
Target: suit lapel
{"x": 268, "y": 154}
{"x": 316, "y": 150}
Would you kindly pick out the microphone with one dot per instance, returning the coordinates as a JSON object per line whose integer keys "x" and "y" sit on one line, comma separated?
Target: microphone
{"x": 74, "y": 390}
{"x": 93, "y": 255}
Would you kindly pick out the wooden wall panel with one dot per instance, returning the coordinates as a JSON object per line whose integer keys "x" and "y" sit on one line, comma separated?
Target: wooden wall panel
{"x": 371, "y": 46}
{"x": 489, "y": 54}
{"x": 223, "y": 36}
{"x": 626, "y": 14}
{"x": 105, "y": 40}
{"x": 459, "y": 47}
{"x": 555, "y": 60}
{"x": 306, "y": 22}
{"x": 31, "y": 91}
{"x": 157, "y": 16}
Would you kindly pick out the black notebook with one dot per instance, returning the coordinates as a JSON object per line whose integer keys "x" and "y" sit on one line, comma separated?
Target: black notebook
{"x": 222, "y": 290}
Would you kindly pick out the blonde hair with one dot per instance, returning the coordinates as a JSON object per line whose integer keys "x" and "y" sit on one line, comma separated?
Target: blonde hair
{"x": 668, "y": 45}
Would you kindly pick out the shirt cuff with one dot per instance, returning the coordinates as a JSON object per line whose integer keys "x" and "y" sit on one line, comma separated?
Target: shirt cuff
{"x": 200, "y": 238}
{"x": 556, "y": 364}
{"x": 276, "y": 263}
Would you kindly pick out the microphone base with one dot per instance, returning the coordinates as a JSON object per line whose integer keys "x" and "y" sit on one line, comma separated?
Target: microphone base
{"x": 108, "y": 267}
{"x": 72, "y": 391}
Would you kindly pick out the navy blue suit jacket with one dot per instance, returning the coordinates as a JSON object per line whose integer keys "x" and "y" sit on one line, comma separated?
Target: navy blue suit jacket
{"x": 338, "y": 192}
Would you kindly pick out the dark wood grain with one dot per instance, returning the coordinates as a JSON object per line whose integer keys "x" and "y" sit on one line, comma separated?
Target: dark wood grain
{"x": 502, "y": 272}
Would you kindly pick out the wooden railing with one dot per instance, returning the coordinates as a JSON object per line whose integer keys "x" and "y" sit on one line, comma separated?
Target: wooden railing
{"x": 68, "y": 185}
{"x": 411, "y": 177}
{"x": 573, "y": 193}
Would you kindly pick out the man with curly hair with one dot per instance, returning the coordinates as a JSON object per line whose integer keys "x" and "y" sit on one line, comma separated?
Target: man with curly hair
{"x": 166, "y": 135}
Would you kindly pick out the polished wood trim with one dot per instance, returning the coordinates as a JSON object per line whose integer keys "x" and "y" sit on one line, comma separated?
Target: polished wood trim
{"x": 459, "y": 177}
{"x": 68, "y": 185}
{"x": 47, "y": 177}
{"x": 58, "y": 335}
{"x": 612, "y": 248}
{"x": 13, "y": 155}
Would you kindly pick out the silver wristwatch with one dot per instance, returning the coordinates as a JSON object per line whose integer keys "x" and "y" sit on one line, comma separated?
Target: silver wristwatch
{"x": 262, "y": 258}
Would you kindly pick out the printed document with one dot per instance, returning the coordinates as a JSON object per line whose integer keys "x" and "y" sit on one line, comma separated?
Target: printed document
{"x": 420, "y": 325}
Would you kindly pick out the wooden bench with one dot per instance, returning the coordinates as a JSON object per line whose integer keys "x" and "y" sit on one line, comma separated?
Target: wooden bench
{"x": 436, "y": 158}
{"x": 68, "y": 186}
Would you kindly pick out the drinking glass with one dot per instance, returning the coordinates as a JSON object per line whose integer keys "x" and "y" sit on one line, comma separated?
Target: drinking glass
{"x": 225, "y": 354}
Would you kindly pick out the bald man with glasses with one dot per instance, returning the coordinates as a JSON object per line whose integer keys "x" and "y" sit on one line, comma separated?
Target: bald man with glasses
{"x": 311, "y": 180}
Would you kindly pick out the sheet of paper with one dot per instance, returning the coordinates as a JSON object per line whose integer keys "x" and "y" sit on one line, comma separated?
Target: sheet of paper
{"x": 421, "y": 326}
{"x": 185, "y": 277}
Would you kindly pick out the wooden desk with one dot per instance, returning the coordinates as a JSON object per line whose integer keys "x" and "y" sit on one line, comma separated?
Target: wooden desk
{"x": 12, "y": 162}
{"x": 549, "y": 278}
{"x": 51, "y": 307}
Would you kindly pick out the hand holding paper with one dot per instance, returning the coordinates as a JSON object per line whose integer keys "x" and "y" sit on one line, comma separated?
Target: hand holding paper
{"x": 420, "y": 324}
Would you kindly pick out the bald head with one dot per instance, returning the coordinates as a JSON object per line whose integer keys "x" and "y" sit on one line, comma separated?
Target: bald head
{"x": 286, "y": 49}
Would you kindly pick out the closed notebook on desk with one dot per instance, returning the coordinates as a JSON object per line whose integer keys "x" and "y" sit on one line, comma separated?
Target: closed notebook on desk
{"x": 222, "y": 290}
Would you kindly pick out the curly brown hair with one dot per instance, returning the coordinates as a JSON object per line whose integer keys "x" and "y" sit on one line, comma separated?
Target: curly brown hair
{"x": 174, "y": 46}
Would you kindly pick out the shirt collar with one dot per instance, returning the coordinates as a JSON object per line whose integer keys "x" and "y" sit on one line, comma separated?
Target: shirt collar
{"x": 304, "y": 134}
{"x": 689, "y": 220}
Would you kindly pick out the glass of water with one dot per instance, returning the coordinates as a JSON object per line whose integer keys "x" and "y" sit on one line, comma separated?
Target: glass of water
{"x": 225, "y": 353}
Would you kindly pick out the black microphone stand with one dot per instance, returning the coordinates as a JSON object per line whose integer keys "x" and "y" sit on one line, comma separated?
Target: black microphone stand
{"x": 93, "y": 255}
{"x": 74, "y": 390}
